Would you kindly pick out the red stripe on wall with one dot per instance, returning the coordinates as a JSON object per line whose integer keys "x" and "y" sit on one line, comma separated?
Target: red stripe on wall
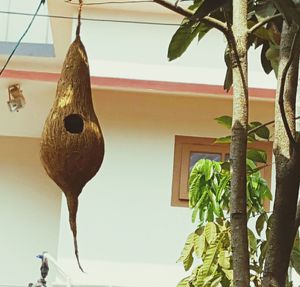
{"x": 141, "y": 84}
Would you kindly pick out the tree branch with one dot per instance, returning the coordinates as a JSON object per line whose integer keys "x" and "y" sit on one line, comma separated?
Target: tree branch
{"x": 177, "y": 9}
{"x": 260, "y": 126}
{"x": 264, "y": 125}
{"x": 262, "y": 23}
{"x": 282, "y": 88}
{"x": 186, "y": 13}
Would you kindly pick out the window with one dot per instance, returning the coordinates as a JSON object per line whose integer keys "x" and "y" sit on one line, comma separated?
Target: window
{"x": 15, "y": 19}
{"x": 188, "y": 150}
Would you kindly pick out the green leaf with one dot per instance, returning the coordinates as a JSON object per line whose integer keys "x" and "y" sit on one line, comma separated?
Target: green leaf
{"x": 252, "y": 240}
{"x": 196, "y": 183}
{"x": 195, "y": 5}
{"x": 261, "y": 32}
{"x": 214, "y": 181}
{"x": 228, "y": 80}
{"x": 203, "y": 215}
{"x": 264, "y": 9}
{"x": 195, "y": 173}
{"x": 210, "y": 212}
{"x": 210, "y": 260}
{"x": 188, "y": 262}
{"x": 256, "y": 192}
{"x": 288, "y": 10}
{"x": 199, "y": 231}
{"x": 184, "y": 36}
{"x": 216, "y": 281}
{"x": 255, "y": 170}
{"x": 225, "y": 121}
{"x": 297, "y": 242}
{"x": 210, "y": 231}
{"x": 272, "y": 54}
{"x": 264, "y": 189}
{"x": 263, "y": 251}
{"x": 223, "y": 140}
{"x": 223, "y": 186}
{"x": 195, "y": 211}
{"x": 295, "y": 260}
{"x": 200, "y": 245}
{"x": 186, "y": 254}
{"x": 217, "y": 166}
{"x": 228, "y": 77}
{"x": 203, "y": 278}
{"x": 184, "y": 282}
{"x": 199, "y": 205}
{"x": 207, "y": 279}
{"x": 208, "y": 169}
{"x": 226, "y": 166}
{"x": 257, "y": 155}
{"x": 216, "y": 207}
{"x": 181, "y": 40}
{"x": 260, "y": 222}
{"x": 229, "y": 274}
{"x": 224, "y": 259}
{"x": 202, "y": 30}
{"x": 253, "y": 182}
{"x": 266, "y": 64}
{"x": 208, "y": 7}
{"x": 250, "y": 164}
{"x": 263, "y": 132}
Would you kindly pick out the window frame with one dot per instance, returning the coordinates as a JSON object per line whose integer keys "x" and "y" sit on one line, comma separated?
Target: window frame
{"x": 183, "y": 147}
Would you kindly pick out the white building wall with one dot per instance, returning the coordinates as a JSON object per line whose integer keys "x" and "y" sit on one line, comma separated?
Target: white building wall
{"x": 14, "y": 25}
{"x": 29, "y": 212}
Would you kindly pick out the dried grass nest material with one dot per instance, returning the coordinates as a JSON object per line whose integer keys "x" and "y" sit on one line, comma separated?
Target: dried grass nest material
{"x": 72, "y": 146}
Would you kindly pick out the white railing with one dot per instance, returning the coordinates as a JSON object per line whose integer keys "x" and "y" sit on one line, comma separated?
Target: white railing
{"x": 47, "y": 256}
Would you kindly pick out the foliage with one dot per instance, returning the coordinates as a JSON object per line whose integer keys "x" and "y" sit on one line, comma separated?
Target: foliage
{"x": 267, "y": 36}
{"x": 209, "y": 188}
{"x": 208, "y": 248}
{"x": 211, "y": 244}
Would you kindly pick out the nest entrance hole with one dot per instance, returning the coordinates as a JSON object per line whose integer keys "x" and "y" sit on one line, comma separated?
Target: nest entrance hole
{"x": 74, "y": 123}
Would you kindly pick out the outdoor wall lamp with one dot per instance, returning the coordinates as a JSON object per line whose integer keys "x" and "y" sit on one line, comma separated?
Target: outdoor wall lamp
{"x": 16, "y": 99}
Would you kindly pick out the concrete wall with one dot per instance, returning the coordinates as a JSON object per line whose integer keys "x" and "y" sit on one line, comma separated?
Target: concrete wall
{"x": 29, "y": 212}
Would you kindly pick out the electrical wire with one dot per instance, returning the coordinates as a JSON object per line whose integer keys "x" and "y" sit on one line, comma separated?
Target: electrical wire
{"x": 23, "y": 35}
{"x": 111, "y": 2}
{"x": 90, "y": 19}
{"x": 116, "y": 2}
{"x": 73, "y": 18}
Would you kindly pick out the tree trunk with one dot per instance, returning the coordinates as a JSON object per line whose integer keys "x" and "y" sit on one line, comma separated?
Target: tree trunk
{"x": 287, "y": 159}
{"x": 238, "y": 212}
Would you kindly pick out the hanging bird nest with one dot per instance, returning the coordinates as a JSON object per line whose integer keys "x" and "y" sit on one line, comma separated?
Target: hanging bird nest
{"x": 72, "y": 143}
{"x": 72, "y": 146}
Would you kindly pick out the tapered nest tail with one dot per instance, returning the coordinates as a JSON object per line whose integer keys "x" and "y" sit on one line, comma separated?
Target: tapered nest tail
{"x": 76, "y": 251}
{"x": 72, "y": 207}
